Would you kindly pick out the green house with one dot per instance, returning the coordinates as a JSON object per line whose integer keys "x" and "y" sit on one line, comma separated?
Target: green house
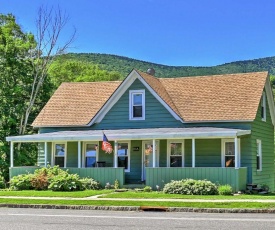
{"x": 219, "y": 128}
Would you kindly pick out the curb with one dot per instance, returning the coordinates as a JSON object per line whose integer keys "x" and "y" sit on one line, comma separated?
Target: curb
{"x": 137, "y": 208}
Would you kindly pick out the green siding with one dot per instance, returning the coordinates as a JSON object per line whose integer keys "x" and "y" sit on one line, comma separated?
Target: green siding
{"x": 22, "y": 170}
{"x": 160, "y": 176}
{"x": 72, "y": 154}
{"x": 108, "y": 158}
{"x": 41, "y": 155}
{"x": 264, "y": 131}
{"x": 207, "y": 152}
{"x": 163, "y": 153}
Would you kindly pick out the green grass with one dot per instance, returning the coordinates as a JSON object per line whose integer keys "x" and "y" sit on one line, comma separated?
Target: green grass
{"x": 249, "y": 205}
{"x": 161, "y": 195}
{"x": 34, "y": 193}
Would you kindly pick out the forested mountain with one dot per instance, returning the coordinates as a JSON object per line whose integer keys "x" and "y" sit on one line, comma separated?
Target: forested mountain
{"x": 124, "y": 65}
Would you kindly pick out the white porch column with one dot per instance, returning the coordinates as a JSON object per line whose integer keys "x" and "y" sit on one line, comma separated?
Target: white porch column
{"x": 11, "y": 154}
{"x": 193, "y": 153}
{"x": 154, "y": 153}
{"x": 79, "y": 154}
{"x": 115, "y": 155}
{"x": 46, "y": 153}
{"x": 237, "y": 158}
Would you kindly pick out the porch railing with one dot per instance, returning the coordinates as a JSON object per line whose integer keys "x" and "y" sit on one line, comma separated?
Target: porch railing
{"x": 237, "y": 178}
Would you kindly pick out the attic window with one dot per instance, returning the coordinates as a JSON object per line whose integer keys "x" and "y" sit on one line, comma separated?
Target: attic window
{"x": 137, "y": 105}
{"x": 263, "y": 107}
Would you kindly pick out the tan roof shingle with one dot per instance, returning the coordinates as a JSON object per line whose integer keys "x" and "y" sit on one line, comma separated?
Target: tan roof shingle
{"x": 229, "y": 97}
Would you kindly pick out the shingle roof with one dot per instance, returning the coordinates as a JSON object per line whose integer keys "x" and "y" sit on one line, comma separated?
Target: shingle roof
{"x": 229, "y": 97}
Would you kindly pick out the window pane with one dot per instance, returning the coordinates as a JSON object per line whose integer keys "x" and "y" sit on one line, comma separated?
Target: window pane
{"x": 230, "y": 161}
{"x": 258, "y": 163}
{"x": 176, "y": 149}
{"x": 122, "y": 149}
{"x": 137, "y": 111}
{"x": 90, "y": 162}
{"x": 60, "y": 149}
{"x": 123, "y": 162}
{"x": 229, "y": 148}
{"x": 59, "y": 161}
{"x": 175, "y": 161}
{"x": 91, "y": 150}
{"x": 137, "y": 99}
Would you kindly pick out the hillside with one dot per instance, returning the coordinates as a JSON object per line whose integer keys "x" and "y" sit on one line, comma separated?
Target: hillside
{"x": 124, "y": 65}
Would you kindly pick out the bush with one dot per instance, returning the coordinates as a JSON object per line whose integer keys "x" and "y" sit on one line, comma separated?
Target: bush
{"x": 225, "y": 189}
{"x": 66, "y": 182}
{"x": 147, "y": 189}
{"x": 2, "y": 182}
{"x": 21, "y": 182}
{"x": 191, "y": 187}
{"x": 89, "y": 183}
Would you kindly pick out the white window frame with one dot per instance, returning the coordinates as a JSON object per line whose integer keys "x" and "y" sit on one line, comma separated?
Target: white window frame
{"x": 53, "y": 153}
{"x": 84, "y": 152}
{"x": 259, "y": 154}
{"x": 131, "y": 105}
{"x": 223, "y": 150}
{"x": 169, "y": 142}
{"x": 128, "y": 154}
{"x": 263, "y": 106}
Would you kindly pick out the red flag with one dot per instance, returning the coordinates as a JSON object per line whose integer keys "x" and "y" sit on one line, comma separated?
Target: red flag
{"x": 106, "y": 146}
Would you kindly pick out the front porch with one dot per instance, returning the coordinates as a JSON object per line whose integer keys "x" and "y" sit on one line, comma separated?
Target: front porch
{"x": 157, "y": 176}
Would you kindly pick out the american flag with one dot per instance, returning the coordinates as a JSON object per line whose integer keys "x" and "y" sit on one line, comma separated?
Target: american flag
{"x": 106, "y": 146}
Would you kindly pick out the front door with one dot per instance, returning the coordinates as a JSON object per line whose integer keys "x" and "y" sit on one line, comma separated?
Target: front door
{"x": 147, "y": 156}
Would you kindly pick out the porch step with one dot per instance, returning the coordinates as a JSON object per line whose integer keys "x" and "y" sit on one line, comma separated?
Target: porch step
{"x": 133, "y": 186}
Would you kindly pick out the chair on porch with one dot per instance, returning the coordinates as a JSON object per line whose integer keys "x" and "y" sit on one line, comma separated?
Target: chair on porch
{"x": 101, "y": 164}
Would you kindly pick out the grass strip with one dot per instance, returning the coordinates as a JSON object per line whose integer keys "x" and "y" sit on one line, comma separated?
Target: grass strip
{"x": 240, "y": 205}
{"x": 49, "y": 193}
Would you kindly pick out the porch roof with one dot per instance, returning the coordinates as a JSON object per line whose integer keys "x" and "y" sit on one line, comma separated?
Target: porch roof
{"x": 132, "y": 134}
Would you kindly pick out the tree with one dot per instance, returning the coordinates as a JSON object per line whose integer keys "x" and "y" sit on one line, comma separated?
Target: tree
{"x": 50, "y": 24}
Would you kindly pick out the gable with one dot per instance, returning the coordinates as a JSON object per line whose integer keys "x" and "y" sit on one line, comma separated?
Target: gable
{"x": 156, "y": 115}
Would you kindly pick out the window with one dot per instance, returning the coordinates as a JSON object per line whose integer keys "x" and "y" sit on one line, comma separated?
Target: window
{"x": 229, "y": 154}
{"x": 259, "y": 155}
{"x": 263, "y": 107}
{"x": 137, "y": 105}
{"x": 175, "y": 150}
{"x": 60, "y": 154}
{"x": 123, "y": 155}
{"x": 90, "y": 154}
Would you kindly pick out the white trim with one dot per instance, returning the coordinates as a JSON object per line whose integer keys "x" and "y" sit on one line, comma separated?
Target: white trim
{"x": 128, "y": 154}
{"x": 84, "y": 152}
{"x": 79, "y": 154}
{"x": 270, "y": 99}
{"x": 259, "y": 153}
{"x": 131, "y": 104}
{"x": 169, "y": 142}
{"x": 193, "y": 153}
{"x": 46, "y": 153}
{"x": 11, "y": 154}
{"x": 223, "y": 141}
{"x": 53, "y": 152}
{"x": 263, "y": 105}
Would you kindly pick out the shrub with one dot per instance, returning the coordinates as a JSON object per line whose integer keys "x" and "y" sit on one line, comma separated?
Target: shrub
{"x": 116, "y": 185}
{"x": 21, "y": 182}
{"x": 40, "y": 179}
{"x": 147, "y": 189}
{"x": 191, "y": 187}
{"x": 89, "y": 183}
{"x": 109, "y": 186}
{"x": 2, "y": 182}
{"x": 66, "y": 182}
{"x": 225, "y": 189}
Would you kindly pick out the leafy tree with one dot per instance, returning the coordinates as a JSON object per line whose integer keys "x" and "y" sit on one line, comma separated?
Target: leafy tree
{"x": 78, "y": 71}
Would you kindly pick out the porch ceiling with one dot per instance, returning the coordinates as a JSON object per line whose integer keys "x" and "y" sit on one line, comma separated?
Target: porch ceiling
{"x": 132, "y": 134}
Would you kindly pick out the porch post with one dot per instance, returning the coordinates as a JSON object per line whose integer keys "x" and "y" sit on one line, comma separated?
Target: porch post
{"x": 237, "y": 163}
{"x": 115, "y": 154}
{"x": 11, "y": 154}
{"x": 154, "y": 153}
{"x": 79, "y": 154}
{"x": 46, "y": 153}
{"x": 193, "y": 152}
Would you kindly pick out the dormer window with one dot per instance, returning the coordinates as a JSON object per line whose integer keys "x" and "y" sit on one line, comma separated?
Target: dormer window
{"x": 137, "y": 105}
{"x": 263, "y": 107}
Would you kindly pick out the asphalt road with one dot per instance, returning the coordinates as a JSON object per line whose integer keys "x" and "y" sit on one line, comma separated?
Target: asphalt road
{"x": 40, "y": 219}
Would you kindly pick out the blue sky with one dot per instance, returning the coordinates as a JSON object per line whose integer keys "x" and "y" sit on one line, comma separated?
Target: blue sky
{"x": 169, "y": 32}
